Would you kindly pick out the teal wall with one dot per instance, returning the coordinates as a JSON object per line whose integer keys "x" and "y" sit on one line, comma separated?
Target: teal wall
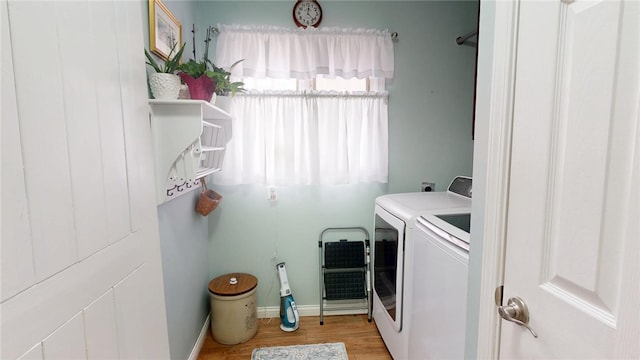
{"x": 184, "y": 244}
{"x": 430, "y": 115}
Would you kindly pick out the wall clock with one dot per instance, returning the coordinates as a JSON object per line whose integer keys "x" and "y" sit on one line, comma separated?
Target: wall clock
{"x": 307, "y": 13}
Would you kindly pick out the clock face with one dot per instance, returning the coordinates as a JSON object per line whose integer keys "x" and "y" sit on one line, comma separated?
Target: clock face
{"x": 307, "y": 13}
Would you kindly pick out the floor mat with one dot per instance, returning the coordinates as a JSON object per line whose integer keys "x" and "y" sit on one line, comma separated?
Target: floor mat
{"x": 329, "y": 351}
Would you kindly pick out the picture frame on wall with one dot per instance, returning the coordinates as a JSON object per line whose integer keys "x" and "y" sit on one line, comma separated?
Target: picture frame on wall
{"x": 165, "y": 30}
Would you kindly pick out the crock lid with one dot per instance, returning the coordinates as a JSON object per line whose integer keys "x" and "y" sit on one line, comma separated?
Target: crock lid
{"x": 225, "y": 285}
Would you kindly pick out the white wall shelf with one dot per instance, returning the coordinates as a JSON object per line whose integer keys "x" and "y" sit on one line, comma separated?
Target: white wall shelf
{"x": 189, "y": 138}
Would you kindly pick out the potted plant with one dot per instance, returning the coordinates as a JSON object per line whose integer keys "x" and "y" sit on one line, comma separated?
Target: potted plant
{"x": 204, "y": 79}
{"x": 225, "y": 88}
{"x": 198, "y": 78}
{"x": 196, "y": 74}
{"x": 164, "y": 83}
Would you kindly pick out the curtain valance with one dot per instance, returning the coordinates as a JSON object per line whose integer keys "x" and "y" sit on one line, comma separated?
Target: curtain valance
{"x": 279, "y": 52}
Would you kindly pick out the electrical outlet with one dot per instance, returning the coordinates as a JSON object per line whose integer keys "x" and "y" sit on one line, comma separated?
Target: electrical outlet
{"x": 272, "y": 194}
{"x": 428, "y": 186}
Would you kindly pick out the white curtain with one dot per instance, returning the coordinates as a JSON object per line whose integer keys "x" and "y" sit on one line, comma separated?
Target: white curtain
{"x": 306, "y": 137}
{"x": 278, "y": 52}
{"x": 285, "y": 138}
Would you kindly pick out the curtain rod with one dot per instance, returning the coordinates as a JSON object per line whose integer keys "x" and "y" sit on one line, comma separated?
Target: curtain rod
{"x": 394, "y": 35}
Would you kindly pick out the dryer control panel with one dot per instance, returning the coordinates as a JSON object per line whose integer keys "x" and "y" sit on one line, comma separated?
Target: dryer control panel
{"x": 461, "y": 185}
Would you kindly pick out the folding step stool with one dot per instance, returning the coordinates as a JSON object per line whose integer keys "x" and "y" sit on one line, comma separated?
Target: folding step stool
{"x": 345, "y": 271}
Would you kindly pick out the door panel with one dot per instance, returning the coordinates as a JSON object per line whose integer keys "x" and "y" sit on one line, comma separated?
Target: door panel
{"x": 36, "y": 312}
{"x": 109, "y": 93}
{"x": 132, "y": 309}
{"x": 582, "y": 133}
{"x": 80, "y": 97}
{"x": 17, "y": 254}
{"x": 35, "y": 353}
{"x": 66, "y": 342}
{"x": 101, "y": 328}
{"x": 81, "y": 273}
{"x": 137, "y": 136}
{"x": 43, "y": 135}
{"x": 571, "y": 230}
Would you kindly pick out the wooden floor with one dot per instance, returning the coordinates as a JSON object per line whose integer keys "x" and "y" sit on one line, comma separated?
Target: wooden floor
{"x": 360, "y": 337}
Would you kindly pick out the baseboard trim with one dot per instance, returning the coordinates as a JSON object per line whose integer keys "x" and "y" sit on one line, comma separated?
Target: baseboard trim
{"x": 198, "y": 345}
{"x": 266, "y": 312}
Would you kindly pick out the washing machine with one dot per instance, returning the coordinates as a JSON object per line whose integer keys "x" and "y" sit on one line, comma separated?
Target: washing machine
{"x": 439, "y": 286}
{"x": 393, "y": 260}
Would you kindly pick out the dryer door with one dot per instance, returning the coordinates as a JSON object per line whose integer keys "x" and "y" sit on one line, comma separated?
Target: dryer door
{"x": 388, "y": 264}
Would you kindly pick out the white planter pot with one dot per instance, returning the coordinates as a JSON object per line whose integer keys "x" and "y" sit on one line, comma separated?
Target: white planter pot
{"x": 164, "y": 86}
{"x": 223, "y": 102}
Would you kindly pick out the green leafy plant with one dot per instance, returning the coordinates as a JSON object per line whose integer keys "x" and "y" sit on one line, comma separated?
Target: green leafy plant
{"x": 224, "y": 86}
{"x": 195, "y": 69}
{"x": 170, "y": 65}
{"x": 206, "y": 67}
{"x": 221, "y": 76}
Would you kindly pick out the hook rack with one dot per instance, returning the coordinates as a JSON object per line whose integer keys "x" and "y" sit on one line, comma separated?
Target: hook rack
{"x": 464, "y": 39}
{"x": 188, "y": 141}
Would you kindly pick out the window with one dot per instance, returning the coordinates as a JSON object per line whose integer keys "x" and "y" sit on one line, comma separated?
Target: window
{"x": 294, "y": 126}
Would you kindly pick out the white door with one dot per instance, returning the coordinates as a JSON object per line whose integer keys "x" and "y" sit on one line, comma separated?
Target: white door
{"x": 573, "y": 230}
{"x": 81, "y": 272}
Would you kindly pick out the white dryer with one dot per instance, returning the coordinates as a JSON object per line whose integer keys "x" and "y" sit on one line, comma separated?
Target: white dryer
{"x": 393, "y": 261}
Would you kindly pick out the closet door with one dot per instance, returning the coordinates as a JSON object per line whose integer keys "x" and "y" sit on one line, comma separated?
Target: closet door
{"x": 81, "y": 272}
{"x": 572, "y": 254}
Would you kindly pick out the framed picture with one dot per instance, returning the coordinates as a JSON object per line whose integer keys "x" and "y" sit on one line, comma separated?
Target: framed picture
{"x": 165, "y": 31}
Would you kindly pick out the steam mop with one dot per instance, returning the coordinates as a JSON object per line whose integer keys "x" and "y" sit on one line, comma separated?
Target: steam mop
{"x": 289, "y": 317}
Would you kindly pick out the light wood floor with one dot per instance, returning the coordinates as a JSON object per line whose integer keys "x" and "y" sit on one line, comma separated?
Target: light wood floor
{"x": 360, "y": 337}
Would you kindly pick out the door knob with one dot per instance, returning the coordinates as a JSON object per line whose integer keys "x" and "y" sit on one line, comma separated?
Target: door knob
{"x": 516, "y": 311}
